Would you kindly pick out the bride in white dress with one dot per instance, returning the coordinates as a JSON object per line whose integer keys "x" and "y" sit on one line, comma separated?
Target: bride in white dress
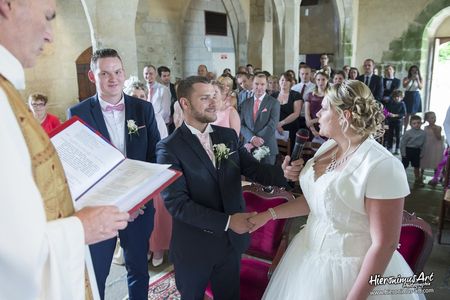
{"x": 353, "y": 190}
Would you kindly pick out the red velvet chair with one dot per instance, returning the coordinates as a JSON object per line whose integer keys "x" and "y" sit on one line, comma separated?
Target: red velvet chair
{"x": 416, "y": 241}
{"x": 267, "y": 244}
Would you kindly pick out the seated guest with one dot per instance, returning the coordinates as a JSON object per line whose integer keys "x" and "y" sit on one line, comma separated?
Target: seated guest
{"x": 227, "y": 115}
{"x": 38, "y": 106}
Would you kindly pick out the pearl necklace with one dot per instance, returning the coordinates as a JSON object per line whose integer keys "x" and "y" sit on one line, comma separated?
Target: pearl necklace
{"x": 336, "y": 163}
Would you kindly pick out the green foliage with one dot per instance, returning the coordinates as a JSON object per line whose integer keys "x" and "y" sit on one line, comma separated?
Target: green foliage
{"x": 444, "y": 52}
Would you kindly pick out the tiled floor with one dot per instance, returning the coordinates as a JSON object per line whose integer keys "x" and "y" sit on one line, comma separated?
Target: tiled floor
{"x": 425, "y": 201}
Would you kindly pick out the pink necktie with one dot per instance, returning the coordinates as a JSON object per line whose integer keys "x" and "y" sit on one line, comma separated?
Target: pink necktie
{"x": 255, "y": 108}
{"x": 117, "y": 107}
{"x": 204, "y": 140}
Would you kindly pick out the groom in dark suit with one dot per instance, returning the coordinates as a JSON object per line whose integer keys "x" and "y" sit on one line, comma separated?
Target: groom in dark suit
{"x": 210, "y": 227}
{"x": 112, "y": 113}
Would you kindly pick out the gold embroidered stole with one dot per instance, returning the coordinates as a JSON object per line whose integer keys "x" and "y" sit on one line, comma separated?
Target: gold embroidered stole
{"x": 47, "y": 170}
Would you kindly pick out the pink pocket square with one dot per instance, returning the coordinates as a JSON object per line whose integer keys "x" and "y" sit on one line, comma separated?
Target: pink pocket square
{"x": 264, "y": 110}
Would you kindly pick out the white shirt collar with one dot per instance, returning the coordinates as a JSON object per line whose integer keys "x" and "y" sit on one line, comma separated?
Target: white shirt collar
{"x": 11, "y": 68}
{"x": 195, "y": 131}
{"x": 260, "y": 98}
{"x": 104, "y": 104}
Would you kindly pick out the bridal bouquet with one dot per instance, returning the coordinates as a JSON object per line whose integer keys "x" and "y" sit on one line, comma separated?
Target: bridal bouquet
{"x": 261, "y": 152}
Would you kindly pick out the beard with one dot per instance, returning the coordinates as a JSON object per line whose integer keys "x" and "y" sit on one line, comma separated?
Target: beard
{"x": 203, "y": 117}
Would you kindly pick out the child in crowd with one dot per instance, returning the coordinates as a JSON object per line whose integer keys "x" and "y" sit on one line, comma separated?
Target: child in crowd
{"x": 434, "y": 146}
{"x": 396, "y": 112}
{"x": 411, "y": 147}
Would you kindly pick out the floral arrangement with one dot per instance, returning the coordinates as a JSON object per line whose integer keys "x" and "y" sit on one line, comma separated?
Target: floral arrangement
{"x": 261, "y": 152}
{"x": 132, "y": 127}
{"x": 221, "y": 152}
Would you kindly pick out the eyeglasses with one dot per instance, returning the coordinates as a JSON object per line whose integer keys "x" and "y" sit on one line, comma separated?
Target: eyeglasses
{"x": 40, "y": 104}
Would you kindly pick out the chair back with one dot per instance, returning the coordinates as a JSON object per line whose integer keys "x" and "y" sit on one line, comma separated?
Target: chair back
{"x": 265, "y": 241}
{"x": 416, "y": 241}
{"x": 309, "y": 149}
{"x": 284, "y": 147}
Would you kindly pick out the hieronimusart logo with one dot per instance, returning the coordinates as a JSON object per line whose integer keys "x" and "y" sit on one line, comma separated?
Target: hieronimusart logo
{"x": 417, "y": 283}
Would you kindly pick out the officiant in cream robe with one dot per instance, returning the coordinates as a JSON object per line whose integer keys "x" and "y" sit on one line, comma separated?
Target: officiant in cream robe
{"x": 42, "y": 244}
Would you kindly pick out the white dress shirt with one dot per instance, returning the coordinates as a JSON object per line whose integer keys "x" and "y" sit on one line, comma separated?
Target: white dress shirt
{"x": 160, "y": 100}
{"x": 115, "y": 123}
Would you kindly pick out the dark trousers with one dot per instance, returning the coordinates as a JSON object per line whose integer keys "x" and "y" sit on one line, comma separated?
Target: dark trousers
{"x": 134, "y": 241}
{"x": 395, "y": 127}
{"x": 412, "y": 156}
{"x": 193, "y": 276}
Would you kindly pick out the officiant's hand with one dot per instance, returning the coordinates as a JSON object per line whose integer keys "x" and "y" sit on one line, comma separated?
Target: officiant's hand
{"x": 292, "y": 170}
{"x": 259, "y": 220}
{"x": 239, "y": 222}
{"x": 101, "y": 222}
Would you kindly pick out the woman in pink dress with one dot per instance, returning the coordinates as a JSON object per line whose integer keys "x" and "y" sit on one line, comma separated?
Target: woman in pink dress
{"x": 434, "y": 145}
{"x": 37, "y": 103}
{"x": 227, "y": 115}
{"x": 162, "y": 231}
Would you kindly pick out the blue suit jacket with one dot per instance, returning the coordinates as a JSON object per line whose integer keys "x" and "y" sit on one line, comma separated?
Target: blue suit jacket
{"x": 140, "y": 147}
{"x": 201, "y": 200}
{"x": 375, "y": 85}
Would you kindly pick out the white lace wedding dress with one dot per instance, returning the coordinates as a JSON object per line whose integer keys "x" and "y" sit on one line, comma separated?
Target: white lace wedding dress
{"x": 324, "y": 259}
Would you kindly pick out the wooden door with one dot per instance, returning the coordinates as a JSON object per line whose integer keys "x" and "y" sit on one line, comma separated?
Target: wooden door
{"x": 85, "y": 87}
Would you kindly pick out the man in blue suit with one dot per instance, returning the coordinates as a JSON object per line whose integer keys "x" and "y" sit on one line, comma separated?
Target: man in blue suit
{"x": 210, "y": 226}
{"x": 112, "y": 113}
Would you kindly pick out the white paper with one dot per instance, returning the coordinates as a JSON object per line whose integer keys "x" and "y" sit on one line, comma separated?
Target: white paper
{"x": 85, "y": 156}
{"x": 282, "y": 136}
{"x": 99, "y": 174}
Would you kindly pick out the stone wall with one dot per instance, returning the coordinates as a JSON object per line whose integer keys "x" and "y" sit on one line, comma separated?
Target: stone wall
{"x": 55, "y": 73}
{"x": 193, "y": 38}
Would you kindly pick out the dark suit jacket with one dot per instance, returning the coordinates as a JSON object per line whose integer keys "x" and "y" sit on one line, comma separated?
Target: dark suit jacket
{"x": 375, "y": 85}
{"x": 395, "y": 85}
{"x": 141, "y": 147}
{"x": 201, "y": 200}
{"x": 266, "y": 122}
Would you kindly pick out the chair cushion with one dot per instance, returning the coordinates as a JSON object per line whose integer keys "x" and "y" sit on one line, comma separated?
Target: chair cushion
{"x": 265, "y": 241}
{"x": 412, "y": 241}
{"x": 254, "y": 278}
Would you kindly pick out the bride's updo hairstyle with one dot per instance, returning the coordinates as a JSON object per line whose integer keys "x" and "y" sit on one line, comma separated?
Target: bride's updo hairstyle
{"x": 366, "y": 113}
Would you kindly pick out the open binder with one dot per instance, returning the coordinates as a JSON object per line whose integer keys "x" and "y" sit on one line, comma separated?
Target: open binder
{"x": 99, "y": 174}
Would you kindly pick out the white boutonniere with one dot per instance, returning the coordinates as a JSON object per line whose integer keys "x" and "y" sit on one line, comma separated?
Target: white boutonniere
{"x": 133, "y": 128}
{"x": 221, "y": 152}
{"x": 261, "y": 152}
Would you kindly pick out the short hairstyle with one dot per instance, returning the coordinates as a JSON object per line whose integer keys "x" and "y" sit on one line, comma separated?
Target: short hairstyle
{"x": 369, "y": 59}
{"x": 133, "y": 83}
{"x": 184, "y": 89}
{"x": 38, "y": 97}
{"x": 162, "y": 69}
{"x": 103, "y": 53}
{"x": 149, "y": 66}
{"x": 428, "y": 114}
{"x": 240, "y": 74}
{"x": 397, "y": 93}
{"x": 260, "y": 75}
{"x": 304, "y": 66}
{"x": 249, "y": 65}
{"x": 415, "y": 118}
{"x": 340, "y": 72}
{"x": 366, "y": 113}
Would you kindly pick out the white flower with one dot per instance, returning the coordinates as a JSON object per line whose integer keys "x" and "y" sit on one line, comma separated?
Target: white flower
{"x": 261, "y": 152}
{"x": 132, "y": 127}
{"x": 221, "y": 152}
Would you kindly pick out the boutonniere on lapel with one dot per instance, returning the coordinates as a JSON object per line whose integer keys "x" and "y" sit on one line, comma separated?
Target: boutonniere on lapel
{"x": 221, "y": 152}
{"x": 261, "y": 152}
{"x": 133, "y": 128}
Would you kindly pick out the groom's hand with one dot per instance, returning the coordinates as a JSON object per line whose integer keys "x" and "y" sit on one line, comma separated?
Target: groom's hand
{"x": 292, "y": 171}
{"x": 239, "y": 222}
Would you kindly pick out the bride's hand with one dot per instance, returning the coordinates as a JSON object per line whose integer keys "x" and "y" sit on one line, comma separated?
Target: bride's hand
{"x": 259, "y": 220}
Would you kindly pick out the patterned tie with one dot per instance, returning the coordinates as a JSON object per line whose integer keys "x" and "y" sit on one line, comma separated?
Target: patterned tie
{"x": 204, "y": 140}
{"x": 255, "y": 108}
{"x": 117, "y": 107}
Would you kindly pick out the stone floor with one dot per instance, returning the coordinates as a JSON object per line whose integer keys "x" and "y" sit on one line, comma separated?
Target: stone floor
{"x": 425, "y": 201}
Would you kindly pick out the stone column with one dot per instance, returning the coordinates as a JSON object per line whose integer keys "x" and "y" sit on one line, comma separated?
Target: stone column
{"x": 113, "y": 26}
{"x": 291, "y": 32}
